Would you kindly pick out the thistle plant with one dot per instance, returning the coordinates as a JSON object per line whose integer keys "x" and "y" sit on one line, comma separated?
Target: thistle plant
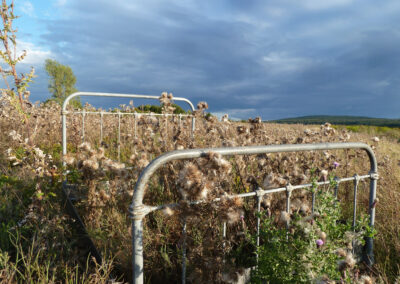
{"x": 322, "y": 241}
{"x": 313, "y": 249}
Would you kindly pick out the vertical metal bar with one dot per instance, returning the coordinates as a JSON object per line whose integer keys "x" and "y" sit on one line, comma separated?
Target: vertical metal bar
{"x": 289, "y": 189}
{"x": 166, "y": 125}
{"x": 336, "y": 187}
{"x": 356, "y": 181}
{"x": 193, "y": 125}
{"x": 83, "y": 125}
{"x": 134, "y": 118}
{"x": 288, "y": 194}
{"x": 119, "y": 136}
{"x": 137, "y": 244}
{"x": 64, "y": 135}
{"x": 180, "y": 121}
{"x": 369, "y": 242}
{"x": 101, "y": 127}
{"x": 224, "y": 234}
{"x": 258, "y": 220}
{"x": 223, "y": 241}
{"x": 258, "y": 223}
{"x": 313, "y": 201}
{"x": 184, "y": 251}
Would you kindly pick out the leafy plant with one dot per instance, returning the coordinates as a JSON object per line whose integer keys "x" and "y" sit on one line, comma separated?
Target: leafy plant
{"x": 11, "y": 59}
{"x": 308, "y": 250}
{"x": 61, "y": 82}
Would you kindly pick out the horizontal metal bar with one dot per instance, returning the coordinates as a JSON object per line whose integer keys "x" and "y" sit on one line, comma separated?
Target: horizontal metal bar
{"x": 138, "y": 211}
{"x": 260, "y": 192}
{"x": 130, "y": 113}
{"x": 113, "y": 95}
{"x": 249, "y": 150}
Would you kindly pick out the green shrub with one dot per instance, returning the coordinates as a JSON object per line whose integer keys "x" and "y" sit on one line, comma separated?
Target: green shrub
{"x": 353, "y": 128}
{"x": 297, "y": 256}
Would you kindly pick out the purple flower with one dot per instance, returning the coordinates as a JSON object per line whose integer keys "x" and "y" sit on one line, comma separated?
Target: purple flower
{"x": 336, "y": 164}
{"x": 319, "y": 243}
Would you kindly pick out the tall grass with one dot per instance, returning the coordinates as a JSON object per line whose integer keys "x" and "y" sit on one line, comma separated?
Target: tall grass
{"x": 31, "y": 175}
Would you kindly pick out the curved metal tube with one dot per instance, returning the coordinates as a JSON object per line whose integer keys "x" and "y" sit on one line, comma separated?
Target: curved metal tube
{"x": 247, "y": 150}
{"x": 138, "y": 210}
{"x": 94, "y": 94}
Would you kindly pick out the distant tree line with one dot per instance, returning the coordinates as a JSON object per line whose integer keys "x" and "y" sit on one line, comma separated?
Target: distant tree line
{"x": 158, "y": 109}
{"x": 341, "y": 120}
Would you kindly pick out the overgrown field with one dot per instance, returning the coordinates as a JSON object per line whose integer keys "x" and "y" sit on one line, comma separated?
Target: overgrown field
{"x": 39, "y": 241}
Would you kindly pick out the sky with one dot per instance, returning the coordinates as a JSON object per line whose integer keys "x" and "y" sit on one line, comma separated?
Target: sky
{"x": 274, "y": 59}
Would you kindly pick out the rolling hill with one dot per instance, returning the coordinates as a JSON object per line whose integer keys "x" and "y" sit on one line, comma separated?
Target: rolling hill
{"x": 343, "y": 120}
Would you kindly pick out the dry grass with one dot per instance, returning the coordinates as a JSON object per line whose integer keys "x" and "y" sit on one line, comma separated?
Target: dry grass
{"x": 107, "y": 185}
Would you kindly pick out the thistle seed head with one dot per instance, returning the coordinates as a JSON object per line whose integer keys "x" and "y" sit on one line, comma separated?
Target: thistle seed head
{"x": 284, "y": 217}
{"x": 168, "y": 211}
{"x": 202, "y": 106}
{"x": 341, "y": 252}
{"x": 350, "y": 261}
{"x": 69, "y": 159}
{"x": 365, "y": 279}
{"x": 85, "y": 146}
{"x": 91, "y": 164}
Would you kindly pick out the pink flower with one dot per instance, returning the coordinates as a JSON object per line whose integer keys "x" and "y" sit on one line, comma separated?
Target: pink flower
{"x": 336, "y": 164}
{"x": 319, "y": 243}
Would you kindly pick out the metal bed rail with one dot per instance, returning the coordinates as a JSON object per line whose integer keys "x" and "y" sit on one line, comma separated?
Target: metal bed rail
{"x": 65, "y": 112}
{"x": 138, "y": 210}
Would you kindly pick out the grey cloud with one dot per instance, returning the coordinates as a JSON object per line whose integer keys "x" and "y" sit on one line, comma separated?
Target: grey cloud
{"x": 274, "y": 58}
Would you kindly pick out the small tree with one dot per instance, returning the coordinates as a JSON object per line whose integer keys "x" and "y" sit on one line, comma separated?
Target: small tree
{"x": 17, "y": 90}
{"x": 61, "y": 82}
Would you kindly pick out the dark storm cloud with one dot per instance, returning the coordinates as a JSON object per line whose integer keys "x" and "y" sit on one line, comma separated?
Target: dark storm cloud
{"x": 276, "y": 59}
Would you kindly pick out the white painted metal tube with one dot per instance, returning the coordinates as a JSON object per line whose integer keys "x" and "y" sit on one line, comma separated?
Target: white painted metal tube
{"x": 184, "y": 233}
{"x": 356, "y": 182}
{"x": 113, "y": 95}
{"x": 138, "y": 210}
{"x": 248, "y": 150}
{"x": 83, "y": 126}
{"x": 259, "y": 192}
{"x": 137, "y": 237}
{"x": 133, "y": 113}
{"x": 101, "y": 127}
{"x": 119, "y": 137}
